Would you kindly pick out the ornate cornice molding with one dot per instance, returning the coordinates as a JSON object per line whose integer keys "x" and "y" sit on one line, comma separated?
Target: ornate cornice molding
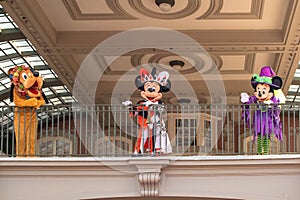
{"x": 238, "y": 48}
{"x": 289, "y": 60}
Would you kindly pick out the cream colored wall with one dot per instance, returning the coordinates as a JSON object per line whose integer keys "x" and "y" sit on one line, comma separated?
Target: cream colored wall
{"x": 235, "y": 177}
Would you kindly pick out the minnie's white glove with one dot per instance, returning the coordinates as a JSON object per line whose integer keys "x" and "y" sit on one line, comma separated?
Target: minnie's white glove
{"x": 127, "y": 103}
{"x": 148, "y": 103}
{"x": 244, "y": 97}
{"x": 268, "y": 102}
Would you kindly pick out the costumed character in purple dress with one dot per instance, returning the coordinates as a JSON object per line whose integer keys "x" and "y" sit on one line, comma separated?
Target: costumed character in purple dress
{"x": 266, "y": 115}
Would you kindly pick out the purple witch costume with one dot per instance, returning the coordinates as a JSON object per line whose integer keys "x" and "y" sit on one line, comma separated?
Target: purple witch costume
{"x": 265, "y": 109}
{"x": 266, "y": 117}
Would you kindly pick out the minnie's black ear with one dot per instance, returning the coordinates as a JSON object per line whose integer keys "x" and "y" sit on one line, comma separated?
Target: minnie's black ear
{"x": 11, "y": 93}
{"x": 277, "y": 81}
{"x": 166, "y": 88}
{"x": 253, "y": 83}
{"x": 138, "y": 83}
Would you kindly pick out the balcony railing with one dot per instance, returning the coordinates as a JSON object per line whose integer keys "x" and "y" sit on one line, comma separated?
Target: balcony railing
{"x": 113, "y": 130}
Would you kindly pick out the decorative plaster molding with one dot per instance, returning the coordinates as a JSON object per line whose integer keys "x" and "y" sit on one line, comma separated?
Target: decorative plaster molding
{"x": 149, "y": 183}
{"x": 213, "y": 48}
{"x": 136, "y": 59}
{"x": 248, "y": 64}
{"x": 118, "y": 12}
{"x": 149, "y": 173}
{"x": 288, "y": 62}
{"x": 214, "y": 11}
{"x": 191, "y": 7}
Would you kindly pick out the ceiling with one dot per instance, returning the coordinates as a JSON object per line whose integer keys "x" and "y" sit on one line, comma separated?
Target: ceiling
{"x": 95, "y": 47}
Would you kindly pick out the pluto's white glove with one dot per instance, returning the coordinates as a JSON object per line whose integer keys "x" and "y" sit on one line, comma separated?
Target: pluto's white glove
{"x": 244, "y": 97}
{"x": 127, "y": 103}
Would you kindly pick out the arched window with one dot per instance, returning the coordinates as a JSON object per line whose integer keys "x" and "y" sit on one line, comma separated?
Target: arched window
{"x": 113, "y": 146}
{"x": 56, "y": 145}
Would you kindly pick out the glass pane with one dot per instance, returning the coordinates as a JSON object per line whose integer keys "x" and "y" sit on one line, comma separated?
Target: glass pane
{"x": 46, "y": 147}
{"x": 63, "y": 147}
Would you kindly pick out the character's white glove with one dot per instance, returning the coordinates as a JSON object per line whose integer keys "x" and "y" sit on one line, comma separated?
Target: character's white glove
{"x": 148, "y": 103}
{"x": 244, "y": 97}
{"x": 268, "y": 102}
{"x": 127, "y": 103}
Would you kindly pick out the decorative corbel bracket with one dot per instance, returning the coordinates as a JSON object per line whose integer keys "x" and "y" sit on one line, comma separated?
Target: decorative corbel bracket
{"x": 149, "y": 172}
{"x": 149, "y": 183}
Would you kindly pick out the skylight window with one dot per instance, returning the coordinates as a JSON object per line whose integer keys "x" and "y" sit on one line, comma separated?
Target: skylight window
{"x": 9, "y": 51}
{"x": 290, "y": 98}
{"x": 5, "y": 45}
{"x": 46, "y": 74}
{"x": 19, "y": 61}
{"x": 59, "y": 89}
{"x": 34, "y": 60}
{"x": 293, "y": 88}
{"x": 6, "y": 26}
{"x": 297, "y": 73}
{"x": 297, "y": 99}
{"x": 23, "y": 45}
{"x": 6, "y": 64}
{"x": 21, "y": 52}
{"x": 55, "y": 101}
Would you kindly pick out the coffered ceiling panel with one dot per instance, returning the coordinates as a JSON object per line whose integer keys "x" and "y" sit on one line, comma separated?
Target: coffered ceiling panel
{"x": 84, "y": 6}
{"x": 96, "y": 10}
{"x": 78, "y": 15}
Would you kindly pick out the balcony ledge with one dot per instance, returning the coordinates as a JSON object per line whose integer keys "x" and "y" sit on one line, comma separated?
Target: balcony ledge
{"x": 223, "y": 177}
{"x": 130, "y": 163}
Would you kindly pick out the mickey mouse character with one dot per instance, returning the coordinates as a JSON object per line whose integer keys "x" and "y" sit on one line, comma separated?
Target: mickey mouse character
{"x": 152, "y": 86}
{"x": 26, "y": 93}
{"x": 266, "y": 118}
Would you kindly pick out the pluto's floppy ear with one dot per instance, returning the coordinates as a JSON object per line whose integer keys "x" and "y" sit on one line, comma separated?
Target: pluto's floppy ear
{"x": 11, "y": 93}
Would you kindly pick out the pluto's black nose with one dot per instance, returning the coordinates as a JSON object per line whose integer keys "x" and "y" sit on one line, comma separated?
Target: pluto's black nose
{"x": 35, "y": 74}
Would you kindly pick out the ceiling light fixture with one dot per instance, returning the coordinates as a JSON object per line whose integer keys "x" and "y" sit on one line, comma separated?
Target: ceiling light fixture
{"x": 176, "y": 64}
{"x": 165, "y": 5}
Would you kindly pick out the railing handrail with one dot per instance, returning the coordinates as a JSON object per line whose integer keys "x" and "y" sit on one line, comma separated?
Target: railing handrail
{"x": 193, "y": 129}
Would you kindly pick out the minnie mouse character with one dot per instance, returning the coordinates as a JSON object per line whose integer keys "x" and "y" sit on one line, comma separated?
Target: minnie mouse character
{"x": 149, "y": 112}
{"x": 266, "y": 118}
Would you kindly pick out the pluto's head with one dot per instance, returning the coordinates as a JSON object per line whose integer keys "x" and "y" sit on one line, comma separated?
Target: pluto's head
{"x": 26, "y": 81}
